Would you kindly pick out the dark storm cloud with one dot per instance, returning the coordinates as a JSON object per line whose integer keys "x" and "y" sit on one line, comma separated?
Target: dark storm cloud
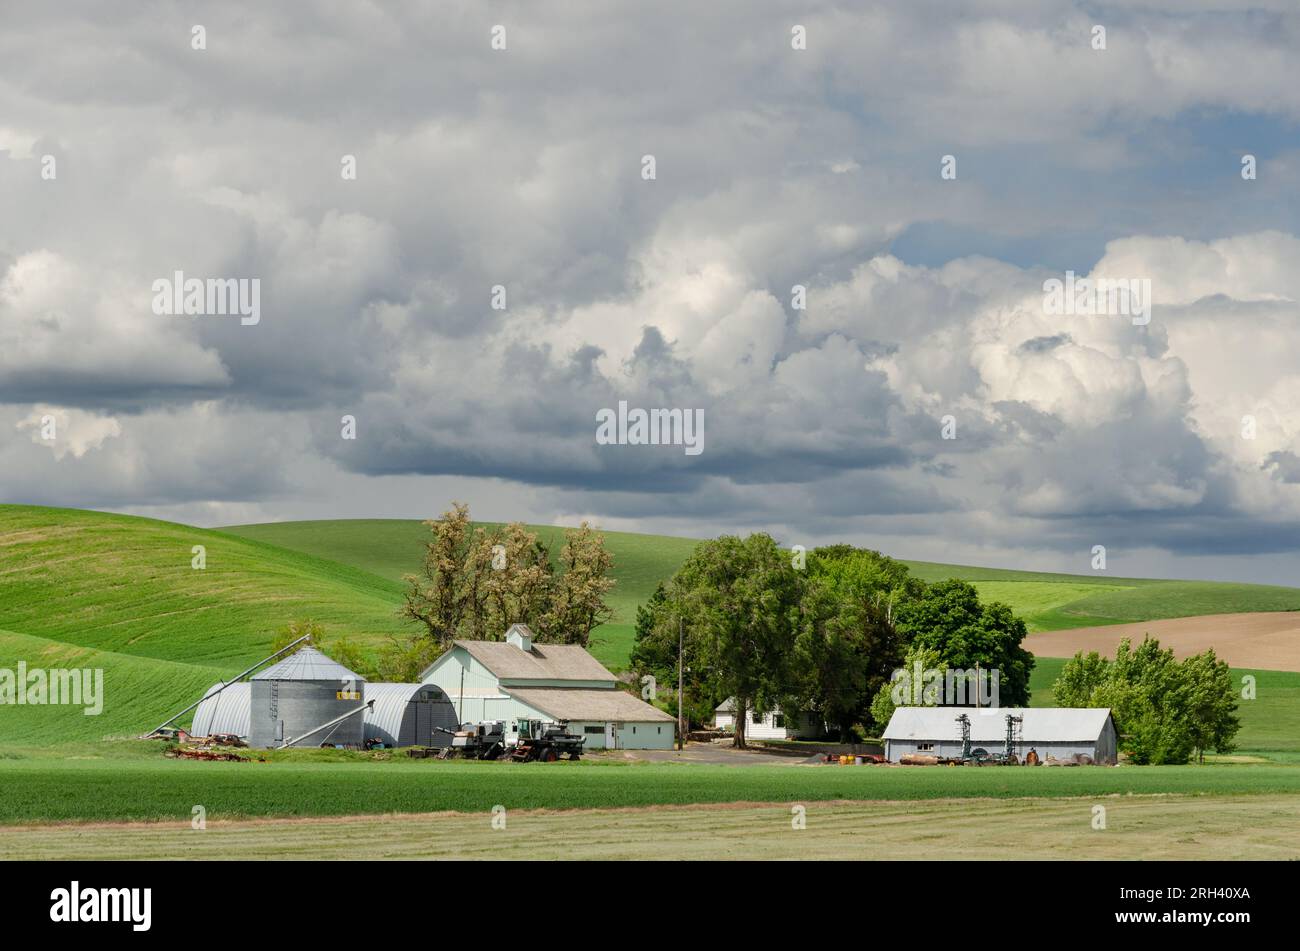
{"x": 775, "y": 168}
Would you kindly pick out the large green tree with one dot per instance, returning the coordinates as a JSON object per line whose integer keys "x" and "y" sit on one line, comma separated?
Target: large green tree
{"x": 947, "y": 617}
{"x": 847, "y": 644}
{"x": 1165, "y": 711}
{"x": 740, "y": 604}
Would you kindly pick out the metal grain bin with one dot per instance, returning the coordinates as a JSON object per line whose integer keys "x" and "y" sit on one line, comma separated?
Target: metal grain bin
{"x": 407, "y": 714}
{"x": 294, "y": 699}
{"x": 224, "y": 712}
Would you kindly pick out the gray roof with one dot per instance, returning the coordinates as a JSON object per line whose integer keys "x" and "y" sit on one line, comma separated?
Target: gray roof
{"x": 307, "y": 664}
{"x": 729, "y": 706}
{"x": 989, "y": 725}
{"x": 591, "y": 703}
{"x": 229, "y": 711}
{"x": 543, "y": 662}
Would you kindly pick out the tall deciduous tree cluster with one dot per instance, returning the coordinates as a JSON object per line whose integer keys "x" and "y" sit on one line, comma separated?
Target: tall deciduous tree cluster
{"x": 478, "y": 580}
{"x": 1165, "y": 710}
{"x": 824, "y": 634}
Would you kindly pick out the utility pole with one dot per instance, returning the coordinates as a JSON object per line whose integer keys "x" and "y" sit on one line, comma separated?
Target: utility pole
{"x": 681, "y": 731}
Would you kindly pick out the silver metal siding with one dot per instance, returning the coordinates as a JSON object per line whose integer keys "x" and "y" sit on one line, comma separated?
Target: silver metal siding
{"x": 303, "y": 705}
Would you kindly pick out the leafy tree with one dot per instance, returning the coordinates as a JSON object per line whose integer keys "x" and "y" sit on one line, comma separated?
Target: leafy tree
{"x": 1079, "y": 679}
{"x": 475, "y": 582}
{"x": 1164, "y": 710}
{"x": 435, "y": 597}
{"x": 898, "y": 692}
{"x": 518, "y": 582}
{"x": 948, "y": 618}
{"x": 1210, "y": 704}
{"x": 578, "y": 602}
{"x": 741, "y": 601}
{"x": 847, "y": 644}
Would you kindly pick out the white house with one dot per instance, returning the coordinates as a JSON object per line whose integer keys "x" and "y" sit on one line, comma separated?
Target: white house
{"x": 773, "y": 725}
{"x": 515, "y": 678}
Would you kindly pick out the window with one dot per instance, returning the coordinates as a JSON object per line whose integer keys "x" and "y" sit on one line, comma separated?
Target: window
{"x": 598, "y": 730}
{"x": 924, "y": 747}
{"x": 778, "y": 720}
{"x": 633, "y": 729}
{"x": 659, "y": 729}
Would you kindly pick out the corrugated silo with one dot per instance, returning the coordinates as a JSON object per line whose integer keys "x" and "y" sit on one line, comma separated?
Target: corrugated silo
{"x": 293, "y": 699}
{"x": 407, "y": 714}
{"x": 224, "y": 712}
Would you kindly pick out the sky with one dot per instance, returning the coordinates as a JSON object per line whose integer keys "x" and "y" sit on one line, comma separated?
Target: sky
{"x": 460, "y": 246}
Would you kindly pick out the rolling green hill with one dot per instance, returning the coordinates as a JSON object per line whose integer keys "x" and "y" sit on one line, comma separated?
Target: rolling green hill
{"x": 89, "y": 589}
{"x": 138, "y": 692}
{"x": 126, "y": 585}
{"x": 1048, "y": 602}
{"x": 392, "y": 548}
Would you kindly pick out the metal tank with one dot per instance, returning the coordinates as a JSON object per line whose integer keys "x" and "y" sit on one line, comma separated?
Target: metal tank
{"x": 408, "y": 715}
{"x": 293, "y": 699}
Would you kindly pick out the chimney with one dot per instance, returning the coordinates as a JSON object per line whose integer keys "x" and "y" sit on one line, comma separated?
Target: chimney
{"x": 521, "y": 636}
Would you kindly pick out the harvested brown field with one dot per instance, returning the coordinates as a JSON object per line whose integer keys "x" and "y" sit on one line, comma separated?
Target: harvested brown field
{"x": 1261, "y": 641}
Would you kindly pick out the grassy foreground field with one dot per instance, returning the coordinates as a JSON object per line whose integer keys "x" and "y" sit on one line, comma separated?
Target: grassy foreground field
{"x": 1156, "y": 827}
{"x": 129, "y": 786}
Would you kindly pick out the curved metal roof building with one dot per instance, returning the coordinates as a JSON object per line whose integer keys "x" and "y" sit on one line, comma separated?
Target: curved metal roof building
{"x": 407, "y": 715}
{"x": 226, "y": 712}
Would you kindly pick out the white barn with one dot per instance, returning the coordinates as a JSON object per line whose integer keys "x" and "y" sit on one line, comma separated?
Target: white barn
{"x": 1057, "y": 731}
{"x": 562, "y": 683}
{"x": 773, "y": 725}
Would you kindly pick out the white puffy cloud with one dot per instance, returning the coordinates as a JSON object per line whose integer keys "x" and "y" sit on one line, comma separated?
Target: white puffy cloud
{"x": 775, "y": 167}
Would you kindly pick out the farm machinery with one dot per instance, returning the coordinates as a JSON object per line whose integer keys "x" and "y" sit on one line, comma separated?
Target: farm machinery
{"x": 541, "y": 741}
{"x": 982, "y": 757}
{"x": 484, "y": 740}
{"x": 529, "y": 741}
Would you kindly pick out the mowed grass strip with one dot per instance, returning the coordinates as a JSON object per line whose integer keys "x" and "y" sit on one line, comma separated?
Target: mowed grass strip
{"x": 125, "y": 584}
{"x": 51, "y": 790}
{"x": 1158, "y": 827}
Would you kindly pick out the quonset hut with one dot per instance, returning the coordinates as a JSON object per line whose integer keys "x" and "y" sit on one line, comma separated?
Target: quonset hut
{"x": 296, "y": 699}
{"x": 224, "y": 712}
{"x": 408, "y": 715}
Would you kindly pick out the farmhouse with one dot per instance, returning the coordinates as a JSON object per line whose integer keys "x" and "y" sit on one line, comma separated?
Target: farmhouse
{"x": 1057, "y": 731}
{"x": 517, "y": 679}
{"x": 773, "y": 725}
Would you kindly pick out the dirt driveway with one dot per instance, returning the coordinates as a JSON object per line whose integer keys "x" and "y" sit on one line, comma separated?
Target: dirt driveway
{"x": 1262, "y": 640}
